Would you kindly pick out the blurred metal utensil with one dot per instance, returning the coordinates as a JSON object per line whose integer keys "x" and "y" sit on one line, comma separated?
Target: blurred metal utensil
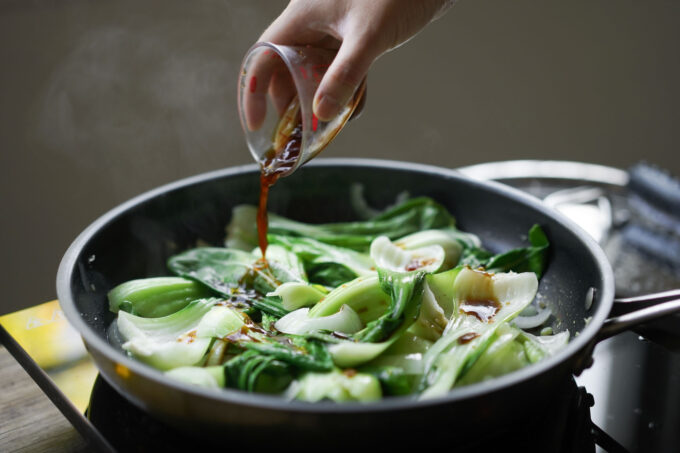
{"x": 587, "y": 206}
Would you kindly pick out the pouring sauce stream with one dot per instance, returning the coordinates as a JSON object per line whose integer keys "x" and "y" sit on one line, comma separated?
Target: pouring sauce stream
{"x": 286, "y": 151}
{"x": 273, "y": 164}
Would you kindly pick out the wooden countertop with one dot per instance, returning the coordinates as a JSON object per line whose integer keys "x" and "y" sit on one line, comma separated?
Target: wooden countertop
{"x": 29, "y": 422}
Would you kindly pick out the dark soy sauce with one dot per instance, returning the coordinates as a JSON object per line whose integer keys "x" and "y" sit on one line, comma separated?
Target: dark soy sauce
{"x": 484, "y": 310}
{"x": 273, "y": 165}
{"x": 285, "y": 152}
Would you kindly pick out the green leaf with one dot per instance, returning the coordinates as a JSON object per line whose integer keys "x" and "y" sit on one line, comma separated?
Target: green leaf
{"x": 297, "y": 351}
{"x": 253, "y": 372}
{"x": 331, "y": 275}
{"x": 220, "y": 269}
{"x": 270, "y": 305}
{"x": 230, "y": 272}
{"x": 285, "y": 262}
{"x": 313, "y": 252}
{"x": 405, "y": 291}
{"x": 525, "y": 259}
{"x": 393, "y": 380}
{"x": 475, "y": 257}
{"x": 401, "y": 274}
{"x": 416, "y": 214}
{"x": 309, "y": 355}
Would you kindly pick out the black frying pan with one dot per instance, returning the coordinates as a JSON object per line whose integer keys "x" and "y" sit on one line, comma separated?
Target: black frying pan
{"x": 135, "y": 239}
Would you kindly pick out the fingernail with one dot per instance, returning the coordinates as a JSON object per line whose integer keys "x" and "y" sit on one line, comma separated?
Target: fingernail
{"x": 326, "y": 107}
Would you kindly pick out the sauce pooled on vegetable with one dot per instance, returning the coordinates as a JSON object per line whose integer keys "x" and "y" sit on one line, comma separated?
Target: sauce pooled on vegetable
{"x": 484, "y": 310}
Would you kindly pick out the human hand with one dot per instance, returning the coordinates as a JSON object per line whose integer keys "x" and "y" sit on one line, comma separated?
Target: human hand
{"x": 361, "y": 30}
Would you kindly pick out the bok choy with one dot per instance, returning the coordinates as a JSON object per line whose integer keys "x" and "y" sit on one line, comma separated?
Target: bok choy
{"x": 401, "y": 303}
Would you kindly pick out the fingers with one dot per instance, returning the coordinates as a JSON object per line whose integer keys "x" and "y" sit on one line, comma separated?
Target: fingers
{"x": 362, "y": 30}
{"x": 268, "y": 74}
{"x": 263, "y": 67}
{"x": 325, "y": 25}
{"x": 360, "y": 106}
{"x": 281, "y": 90}
{"x": 344, "y": 75}
{"x": 292, "y": 26}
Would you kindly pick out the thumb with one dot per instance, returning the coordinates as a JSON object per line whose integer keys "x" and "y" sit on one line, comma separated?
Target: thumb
{"x": 343, "y": 77}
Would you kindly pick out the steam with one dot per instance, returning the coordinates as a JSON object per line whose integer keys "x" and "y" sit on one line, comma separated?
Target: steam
{"x": 130, "y": 104}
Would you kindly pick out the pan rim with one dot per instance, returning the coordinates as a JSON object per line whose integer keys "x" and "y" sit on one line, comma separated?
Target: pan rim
{"x": 576, "y": 344}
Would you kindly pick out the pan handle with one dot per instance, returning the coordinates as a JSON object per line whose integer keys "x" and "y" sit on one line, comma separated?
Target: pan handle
{"x": 628, "y": 313}
{"x": 655, "y": 306}
{"x": 648, "y": 298}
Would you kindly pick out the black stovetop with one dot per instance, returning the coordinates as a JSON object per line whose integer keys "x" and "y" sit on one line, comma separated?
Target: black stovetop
{"x": 628, "y": 401}
{"x": 567, "y": 429}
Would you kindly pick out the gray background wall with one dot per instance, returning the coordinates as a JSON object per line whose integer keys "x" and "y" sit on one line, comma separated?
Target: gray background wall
{"x": 101, "y": 100}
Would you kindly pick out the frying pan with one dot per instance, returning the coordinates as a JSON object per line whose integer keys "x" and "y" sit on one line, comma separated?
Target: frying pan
{"x": 135, "y": 239}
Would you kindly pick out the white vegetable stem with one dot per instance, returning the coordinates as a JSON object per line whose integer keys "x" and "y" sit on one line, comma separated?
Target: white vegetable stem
{"x": 179, "y": 339}
{"x": 337, "y": 386}
{"x": 297, "y": 294}
{"x": 388, "y": 256}
{"x": 298, "y": 322}
{"x": 447, "y": 357}
{"x": 446, "y": 239}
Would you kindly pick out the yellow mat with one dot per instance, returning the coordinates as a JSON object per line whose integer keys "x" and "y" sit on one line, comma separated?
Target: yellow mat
{"x": 43, "y": 332}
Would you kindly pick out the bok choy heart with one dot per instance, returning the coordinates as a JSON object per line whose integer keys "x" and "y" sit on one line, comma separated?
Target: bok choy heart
{"x": 298, "y": 294}
{"x": 336, "y": 386}
{"x": 485, "y": 301}
{"x": 450, "y": 240}
{"x": 169, "y": 341}
{"x": 298, "y": 322}
{"x": 155, "y": 297}
{"x": 364, "y": 295}
{"x": 401, "y": 274}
